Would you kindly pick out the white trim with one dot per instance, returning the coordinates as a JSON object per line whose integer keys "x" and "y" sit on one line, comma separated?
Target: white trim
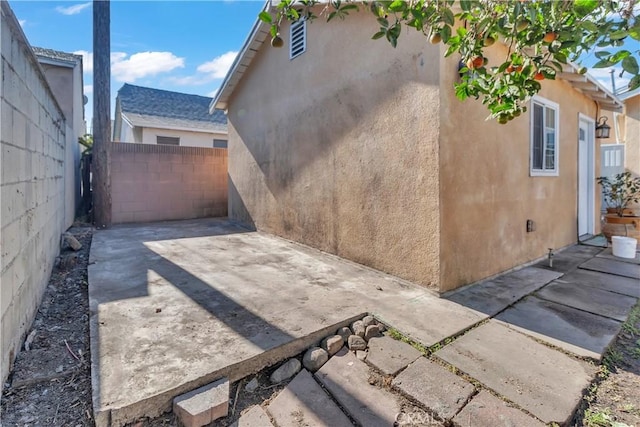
{"x": 591, "y": 170}
{"x": 546, "y": 104}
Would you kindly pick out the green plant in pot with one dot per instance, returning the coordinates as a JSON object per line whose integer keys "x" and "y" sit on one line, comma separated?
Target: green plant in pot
{"x": 620, "y": 192}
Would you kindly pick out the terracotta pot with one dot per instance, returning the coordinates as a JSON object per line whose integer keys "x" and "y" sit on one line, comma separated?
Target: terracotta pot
{"x": 615, "y": 225}
{"x": 625, "y": 211}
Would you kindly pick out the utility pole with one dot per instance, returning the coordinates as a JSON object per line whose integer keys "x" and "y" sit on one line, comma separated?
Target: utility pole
{"x": 101, "y": 163}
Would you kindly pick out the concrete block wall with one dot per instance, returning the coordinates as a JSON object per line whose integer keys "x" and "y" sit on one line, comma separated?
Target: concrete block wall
{"x": 158, "y": 182}
{"x": 32, "y": 186}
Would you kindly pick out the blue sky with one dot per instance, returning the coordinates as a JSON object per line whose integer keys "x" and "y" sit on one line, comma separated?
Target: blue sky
{"x": 185, "y": 46}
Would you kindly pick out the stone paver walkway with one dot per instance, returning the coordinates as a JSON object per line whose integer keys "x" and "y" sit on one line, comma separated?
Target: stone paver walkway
{"x": 176, "y": 306}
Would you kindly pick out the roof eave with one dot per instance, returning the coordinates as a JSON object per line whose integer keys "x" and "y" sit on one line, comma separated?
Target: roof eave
{"x": 591, "y": 88}
{"x": 257, "y": 36}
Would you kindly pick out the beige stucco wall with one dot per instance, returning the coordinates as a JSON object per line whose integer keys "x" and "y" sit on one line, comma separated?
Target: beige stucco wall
{"x": 159, "y": 182}
{"x": 632, "y": 135}
{"x": 348, "y": 163}
{"x": 32, "y": 203}
{"x": 486, "y": 191}
{"x": 187, "y": 138}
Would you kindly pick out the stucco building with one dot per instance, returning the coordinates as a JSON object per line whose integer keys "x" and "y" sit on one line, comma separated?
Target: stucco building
{"x": 152, "y": 116}
{"x": 353, "y": 147}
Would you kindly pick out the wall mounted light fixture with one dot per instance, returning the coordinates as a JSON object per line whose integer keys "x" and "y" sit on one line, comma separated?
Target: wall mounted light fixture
{"x": 602, "y": 128}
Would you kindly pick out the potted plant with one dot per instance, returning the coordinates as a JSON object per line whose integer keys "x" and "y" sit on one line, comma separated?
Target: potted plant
{"x": 619, "y": 193}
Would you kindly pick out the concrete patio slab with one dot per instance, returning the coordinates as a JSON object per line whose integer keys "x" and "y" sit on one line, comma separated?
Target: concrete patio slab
{"x": 433, "y": 386}
{"x": 603, "y": 281}
{"x": 608, "y": 253}
{"x": 304, "y": 403}
{"x": 545, "y": 382}
{"x": 347, "y": 379}
{"x": 576, "y": 331}
{"x": 390, "y": 356}
{"x": 570, "y": 258}
{"x": 178, "y": 305}
{"x": 254, "y": 417}
{"x": 487, "y": 410}
{"x": 596, "y": 301}
{"x": 493, "y": 296}
{"x": 611, "y": 266}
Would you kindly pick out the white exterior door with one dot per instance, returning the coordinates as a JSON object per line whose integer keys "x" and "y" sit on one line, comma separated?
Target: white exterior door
{"x": 586, "y": 176}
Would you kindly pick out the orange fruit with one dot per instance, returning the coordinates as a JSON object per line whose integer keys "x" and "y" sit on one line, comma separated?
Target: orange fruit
{"x": 550, "y": 37}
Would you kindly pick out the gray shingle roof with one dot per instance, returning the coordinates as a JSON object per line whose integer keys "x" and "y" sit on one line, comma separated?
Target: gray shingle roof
{"x": 181, "y": 109}
{"x": 56, "y": 54}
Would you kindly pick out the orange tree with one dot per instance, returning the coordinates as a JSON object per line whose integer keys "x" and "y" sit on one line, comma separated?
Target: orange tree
{"x": 541, "y": 36}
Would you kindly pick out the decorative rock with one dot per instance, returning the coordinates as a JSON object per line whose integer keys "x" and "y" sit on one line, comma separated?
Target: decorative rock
{"x": 332, "y": 344}
{"x": 369, "y": 320}
{"x": 382, "y": 327}
{"x": 362, "y": 354}
{"x": 357, "y": 343}
{"x": 345, "y": 333}
{"x": 314, "y": 358}
{"x": 72, "y": 242}
{"x": 287, "y": 370}
{"x": 372, "y": 331}
{"x": 358, "y": 328}
{"x": 252, "y": 385}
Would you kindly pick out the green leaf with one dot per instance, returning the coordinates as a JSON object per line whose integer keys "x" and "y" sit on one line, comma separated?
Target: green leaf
{"x": 383, "y": 22}
{"x": 634, "y": 32}
{"x": 378, "y": 35}
{"x": 619, "y": 56}
{"x": 617, "y": 35}
{"x": 447, "y": 16}
{"x": 465, "y": 5}
{"x": 560, "y": 57}
{"x": 630, "y": 65}
{"x": 349, "y": 7}
{"x": 603, "y": 63}
{"x": 265, "y": 17}
{"x": 584, "y": 7}
{"x": 273, "y": 30}
{"x": 397, "y": 6}
{"x": 589, "y": 26}
{"x": 603, "y": 54}
{"x": 445, "y": 33}
{"x": 634, "y": 83}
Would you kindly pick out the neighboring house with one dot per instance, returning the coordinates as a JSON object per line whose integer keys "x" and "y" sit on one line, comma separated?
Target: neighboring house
{"x": 63, "y": 72}
{"x": 153, "y": 116}
{"x": 353, "y": 147}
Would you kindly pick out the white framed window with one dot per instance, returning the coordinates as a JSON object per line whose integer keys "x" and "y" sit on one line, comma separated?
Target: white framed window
{"x": 167, "y": 140}
{"x": 544, "y": 138}
{"x": 297, "y": 38}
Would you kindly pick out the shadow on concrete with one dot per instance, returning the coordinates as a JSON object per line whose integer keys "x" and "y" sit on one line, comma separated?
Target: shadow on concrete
{"x": 565, "y": 304}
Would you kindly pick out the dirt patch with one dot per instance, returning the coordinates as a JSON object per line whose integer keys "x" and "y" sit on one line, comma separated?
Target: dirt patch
{"x": 615, "y": 400}
{"x": 51, "y": 380}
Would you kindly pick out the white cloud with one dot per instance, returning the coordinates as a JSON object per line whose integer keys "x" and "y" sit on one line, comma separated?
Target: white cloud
{"x": 218, "y": 67}
{"x": 22, "y": 22}
{"x": 87, "y": 60}
{"x": 213, "y": 93}
{"x": 88, "y": 89}
{"x": 215, "y": 69}
{"x": 142, "y": 64}
{"x": 73, "y": 10}
{"x": 603, "y": 76}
